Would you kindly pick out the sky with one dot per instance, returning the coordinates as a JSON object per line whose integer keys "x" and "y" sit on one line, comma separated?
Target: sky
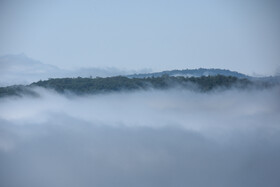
{"x": 159, "y": 35}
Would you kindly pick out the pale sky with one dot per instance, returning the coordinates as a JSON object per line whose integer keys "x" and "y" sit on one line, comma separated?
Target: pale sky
{"x": 240, "y": 35}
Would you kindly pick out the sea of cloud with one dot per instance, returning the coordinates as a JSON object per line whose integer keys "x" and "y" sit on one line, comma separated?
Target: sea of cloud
{"x": 148, "y": 138}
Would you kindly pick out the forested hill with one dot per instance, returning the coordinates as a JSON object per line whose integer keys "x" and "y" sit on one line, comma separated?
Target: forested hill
{"x": 191, "y": 73}
{"x": 119, "y": 83}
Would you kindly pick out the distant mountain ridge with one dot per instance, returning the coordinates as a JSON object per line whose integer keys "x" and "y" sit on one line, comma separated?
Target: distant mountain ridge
{"x": 192, "y": 73}
{"x": 21, "y": 69}
{"x": 17, "y": 72}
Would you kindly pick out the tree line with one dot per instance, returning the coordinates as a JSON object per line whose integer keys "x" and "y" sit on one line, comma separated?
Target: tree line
{"x": 81, "y": 85}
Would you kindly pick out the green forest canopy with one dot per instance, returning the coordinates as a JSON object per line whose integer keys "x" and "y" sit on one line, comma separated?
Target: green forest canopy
{"x": 99, "y": 85}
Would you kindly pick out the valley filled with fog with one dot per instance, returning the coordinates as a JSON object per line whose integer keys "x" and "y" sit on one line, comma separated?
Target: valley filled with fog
{"x": 139, "y": 93}
{"x": 172, "y": 137}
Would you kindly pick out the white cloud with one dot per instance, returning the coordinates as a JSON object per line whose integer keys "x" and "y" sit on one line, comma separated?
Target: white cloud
{"x": 144, "y": 138}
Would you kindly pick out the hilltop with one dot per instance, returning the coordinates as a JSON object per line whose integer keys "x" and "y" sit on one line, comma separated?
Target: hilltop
{"x": 192, "y": 73}
{"x": 98, "y": 85}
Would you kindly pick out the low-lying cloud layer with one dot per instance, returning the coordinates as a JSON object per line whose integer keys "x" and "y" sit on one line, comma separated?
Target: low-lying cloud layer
{"x": 144, "y": 138}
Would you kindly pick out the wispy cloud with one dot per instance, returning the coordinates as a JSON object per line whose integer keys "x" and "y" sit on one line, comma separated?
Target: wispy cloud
{"x": 144, "y": 138}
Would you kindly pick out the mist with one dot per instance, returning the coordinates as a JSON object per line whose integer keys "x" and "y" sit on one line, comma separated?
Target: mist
{"x": 21, "y": 69}
{"x": 174, "y": 137}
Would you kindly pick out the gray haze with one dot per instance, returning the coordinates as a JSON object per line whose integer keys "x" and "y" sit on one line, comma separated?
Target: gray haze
{"x": 145, "y": 138}
{"x": 159, "y": 34}
{"x": 21, "y": 69}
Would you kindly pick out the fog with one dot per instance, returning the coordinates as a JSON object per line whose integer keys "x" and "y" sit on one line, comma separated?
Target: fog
{"x": 148, "y": 138}
{"x": 21, "y": 69}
